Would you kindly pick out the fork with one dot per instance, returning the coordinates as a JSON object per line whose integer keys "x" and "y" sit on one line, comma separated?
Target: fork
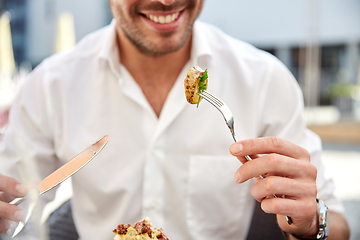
{"x": 229, "y": 119}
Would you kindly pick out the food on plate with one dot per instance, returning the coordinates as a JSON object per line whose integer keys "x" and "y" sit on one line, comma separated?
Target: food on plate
{"x": 194, "y": 83}
{"x": 142, "y": 230}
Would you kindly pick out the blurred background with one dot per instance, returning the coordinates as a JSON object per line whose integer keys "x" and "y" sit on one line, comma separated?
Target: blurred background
{"x": 318, "y": 40}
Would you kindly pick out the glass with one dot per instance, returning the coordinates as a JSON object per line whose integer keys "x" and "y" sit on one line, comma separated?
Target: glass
{"x": 30, "y": 227}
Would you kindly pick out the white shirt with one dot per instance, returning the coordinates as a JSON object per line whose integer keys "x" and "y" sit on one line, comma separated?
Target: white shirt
{"x": 175, "y": 169}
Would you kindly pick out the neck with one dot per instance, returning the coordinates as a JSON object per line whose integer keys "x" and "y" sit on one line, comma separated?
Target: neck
{"x": 155, "y": 74}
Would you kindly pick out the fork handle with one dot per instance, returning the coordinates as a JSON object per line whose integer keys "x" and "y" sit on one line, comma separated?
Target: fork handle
{"x": 233, "y": 135}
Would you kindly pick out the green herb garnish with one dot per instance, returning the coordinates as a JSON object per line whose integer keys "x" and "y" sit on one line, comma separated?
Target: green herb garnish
{"x": 202, "y": 84}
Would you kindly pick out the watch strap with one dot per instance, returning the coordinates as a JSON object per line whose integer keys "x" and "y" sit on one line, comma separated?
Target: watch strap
{"x": 301, "y": 238}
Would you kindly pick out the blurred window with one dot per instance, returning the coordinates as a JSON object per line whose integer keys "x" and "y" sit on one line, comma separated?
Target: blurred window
{"x": 17, "y": 11}
{"x": 333, "y": 70}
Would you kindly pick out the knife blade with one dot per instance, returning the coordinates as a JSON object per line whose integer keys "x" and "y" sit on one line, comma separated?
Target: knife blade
{"x": 61, "y": 174}
{"x": 68, "y": 169}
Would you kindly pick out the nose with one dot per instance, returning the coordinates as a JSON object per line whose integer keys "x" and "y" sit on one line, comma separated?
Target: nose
{"x": 166, "y": 2}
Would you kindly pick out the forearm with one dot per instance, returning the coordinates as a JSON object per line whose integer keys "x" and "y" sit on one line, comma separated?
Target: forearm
{"x": 339, "y": 229}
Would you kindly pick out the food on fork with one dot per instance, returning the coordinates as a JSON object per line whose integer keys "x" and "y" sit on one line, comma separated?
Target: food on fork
{"x": 142, "y": 230}
{"x": 194, "y": 83}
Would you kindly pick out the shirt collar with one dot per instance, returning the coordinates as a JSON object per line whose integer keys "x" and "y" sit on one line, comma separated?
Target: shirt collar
{"x": 109, "y": 50}
{"x": 200, "y": 52}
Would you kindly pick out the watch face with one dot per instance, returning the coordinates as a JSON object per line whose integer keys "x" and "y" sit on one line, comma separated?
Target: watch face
{"x": 327, "y": 222}
{"x": 324, "y": 220}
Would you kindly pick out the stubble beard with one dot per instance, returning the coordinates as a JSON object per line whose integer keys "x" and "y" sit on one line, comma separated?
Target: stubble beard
{"x": 169, "y": 43}
{"x": 148, "y": 48}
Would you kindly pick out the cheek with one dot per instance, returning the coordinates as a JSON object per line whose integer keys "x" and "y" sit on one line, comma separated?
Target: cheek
{"x": 197, "y": 7}
{"x": 119, "y": 8}
{"x": 199, "y": 4}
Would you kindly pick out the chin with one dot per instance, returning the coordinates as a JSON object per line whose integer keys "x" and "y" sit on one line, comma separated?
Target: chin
{"x": 162, "y": 47}
{"x": 170, "y": 44}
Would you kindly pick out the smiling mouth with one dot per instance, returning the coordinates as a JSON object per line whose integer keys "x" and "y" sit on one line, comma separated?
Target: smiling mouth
{"x": 163, "y": 19}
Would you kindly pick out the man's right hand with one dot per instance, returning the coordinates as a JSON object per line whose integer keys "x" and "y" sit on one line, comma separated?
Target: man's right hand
{"x": 9, "y": 188}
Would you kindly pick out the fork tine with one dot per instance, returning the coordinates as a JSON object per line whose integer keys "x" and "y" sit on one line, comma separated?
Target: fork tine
{"x": 207, "y": 98}
{"x": 212, "y": 97}
{"x": 211, "y": 100}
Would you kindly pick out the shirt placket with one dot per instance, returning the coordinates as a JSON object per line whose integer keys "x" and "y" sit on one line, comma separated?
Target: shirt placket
{"x": 154, "y": 183}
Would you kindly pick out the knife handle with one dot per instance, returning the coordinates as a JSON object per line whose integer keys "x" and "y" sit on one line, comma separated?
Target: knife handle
{"x": 17, "y": 200}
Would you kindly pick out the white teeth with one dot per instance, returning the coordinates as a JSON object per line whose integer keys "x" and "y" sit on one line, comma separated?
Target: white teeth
{"x": 168, "y": 18}
{"x": 163, "y": 19}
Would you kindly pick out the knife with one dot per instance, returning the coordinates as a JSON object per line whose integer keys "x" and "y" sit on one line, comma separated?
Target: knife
{"x": 61, "y": 174}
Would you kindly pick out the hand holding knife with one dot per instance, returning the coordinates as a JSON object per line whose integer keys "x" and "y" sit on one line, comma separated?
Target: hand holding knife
{"x": 60, "y": 175}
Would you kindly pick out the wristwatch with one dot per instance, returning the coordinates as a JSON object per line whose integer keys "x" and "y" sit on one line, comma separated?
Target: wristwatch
{"x": 324, "y": 222}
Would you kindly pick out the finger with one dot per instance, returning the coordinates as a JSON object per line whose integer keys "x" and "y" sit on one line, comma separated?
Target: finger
{"x": 12, "y": 186}
{"x": 274, "y": 164}
{"x": 302, "y": 213}
{"x": 4, "y": 225}
{"x": 268, "y": 145}
{"x": 244, "y": 159}
{"x": 11, "y": 212}
{"x": 5, "y": 197}
{"x": 283, "y": 186}
{"x": 299, "y": 211}
{"x": 302, "y": 227}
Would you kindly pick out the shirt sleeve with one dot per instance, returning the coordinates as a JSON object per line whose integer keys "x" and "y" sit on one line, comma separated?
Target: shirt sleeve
{"x": 281, "y": 110}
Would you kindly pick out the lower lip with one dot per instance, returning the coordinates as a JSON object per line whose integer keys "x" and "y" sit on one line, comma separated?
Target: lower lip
{"x": 165, "y": 27}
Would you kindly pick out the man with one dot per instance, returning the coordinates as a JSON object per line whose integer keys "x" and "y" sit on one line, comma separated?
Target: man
{"x": 166, "y": 159}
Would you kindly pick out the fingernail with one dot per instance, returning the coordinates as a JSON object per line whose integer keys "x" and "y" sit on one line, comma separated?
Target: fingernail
{"x": 237, "y": 177}
{"x": 19, "y": 215}
{"x": 21, "y": 189}
{"x": 236, "y": 148}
